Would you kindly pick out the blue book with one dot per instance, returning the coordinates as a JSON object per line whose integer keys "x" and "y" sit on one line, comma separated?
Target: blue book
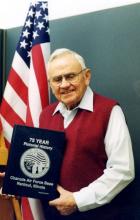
{"x": 34, "y": 162}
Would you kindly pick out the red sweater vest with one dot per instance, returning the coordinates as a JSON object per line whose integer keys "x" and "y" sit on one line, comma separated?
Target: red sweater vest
{"x": 85, "y": 157}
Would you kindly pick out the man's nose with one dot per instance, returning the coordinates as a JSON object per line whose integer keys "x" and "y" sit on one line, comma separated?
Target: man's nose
{"x": 64, "y": 83}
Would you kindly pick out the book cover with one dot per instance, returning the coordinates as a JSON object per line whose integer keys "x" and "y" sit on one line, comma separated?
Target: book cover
{"x": 34, "y": 162}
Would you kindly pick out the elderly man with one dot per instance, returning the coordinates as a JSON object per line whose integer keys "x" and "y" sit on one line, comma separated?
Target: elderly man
{"x": 98, "y": 160}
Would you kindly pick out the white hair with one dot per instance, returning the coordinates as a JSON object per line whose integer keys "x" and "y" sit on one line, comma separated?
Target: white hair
{"x": 62, "y": 51}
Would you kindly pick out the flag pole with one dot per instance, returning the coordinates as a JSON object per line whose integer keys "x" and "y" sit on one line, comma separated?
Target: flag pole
{"x": 17, "y": 208}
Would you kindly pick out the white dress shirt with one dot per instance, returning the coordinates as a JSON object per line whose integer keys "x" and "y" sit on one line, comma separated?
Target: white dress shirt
{"x": 119, "y": 171}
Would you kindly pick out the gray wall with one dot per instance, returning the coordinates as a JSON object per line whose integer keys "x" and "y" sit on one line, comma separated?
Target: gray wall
{"x": 110, "y": 42}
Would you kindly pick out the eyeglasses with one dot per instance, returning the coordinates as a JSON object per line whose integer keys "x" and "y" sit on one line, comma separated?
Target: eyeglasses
{"x": 69, "y": 77}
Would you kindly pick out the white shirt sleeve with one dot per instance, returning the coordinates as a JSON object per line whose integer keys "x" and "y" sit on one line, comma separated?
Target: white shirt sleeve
{"x": 119, "y": 171}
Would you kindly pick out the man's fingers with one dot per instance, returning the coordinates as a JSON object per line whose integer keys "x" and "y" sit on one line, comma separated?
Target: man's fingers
{"x": 2, "y": 174}
{"x": 53, "y": 202}
{"x": 5, "y": 196}
{"x": 60, "y": 189}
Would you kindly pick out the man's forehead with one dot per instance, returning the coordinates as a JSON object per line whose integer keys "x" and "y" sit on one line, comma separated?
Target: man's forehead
{"x": 66, "y": 59}
{"x": 65, "y": 55}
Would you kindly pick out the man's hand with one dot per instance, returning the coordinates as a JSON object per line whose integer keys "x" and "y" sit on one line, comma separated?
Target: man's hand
{"x": 65, "y": 204}
{"x": 4, "y": 196}
{"x": 2, "y": 174}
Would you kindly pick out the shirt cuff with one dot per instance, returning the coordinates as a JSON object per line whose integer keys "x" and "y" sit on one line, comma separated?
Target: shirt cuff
{"x": 85, "y": 199}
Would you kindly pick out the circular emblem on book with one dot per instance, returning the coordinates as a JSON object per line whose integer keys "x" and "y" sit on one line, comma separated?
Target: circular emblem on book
{"x": 35, "y": 163}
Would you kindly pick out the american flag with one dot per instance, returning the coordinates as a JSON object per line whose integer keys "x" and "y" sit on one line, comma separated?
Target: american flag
{"x": 26, "y": 92}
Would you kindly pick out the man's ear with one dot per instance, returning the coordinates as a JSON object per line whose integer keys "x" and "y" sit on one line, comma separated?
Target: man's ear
{"x": 88, "y": 76}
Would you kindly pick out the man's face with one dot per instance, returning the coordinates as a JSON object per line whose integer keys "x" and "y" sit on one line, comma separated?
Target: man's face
{"x": 69, "y": 92}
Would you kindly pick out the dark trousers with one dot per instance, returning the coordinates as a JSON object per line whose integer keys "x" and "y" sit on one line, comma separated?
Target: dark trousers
{"x": 107, "y": 212}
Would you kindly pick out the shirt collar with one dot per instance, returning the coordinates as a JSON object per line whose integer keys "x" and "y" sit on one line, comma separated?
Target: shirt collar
{"x": 86, "y": 102}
